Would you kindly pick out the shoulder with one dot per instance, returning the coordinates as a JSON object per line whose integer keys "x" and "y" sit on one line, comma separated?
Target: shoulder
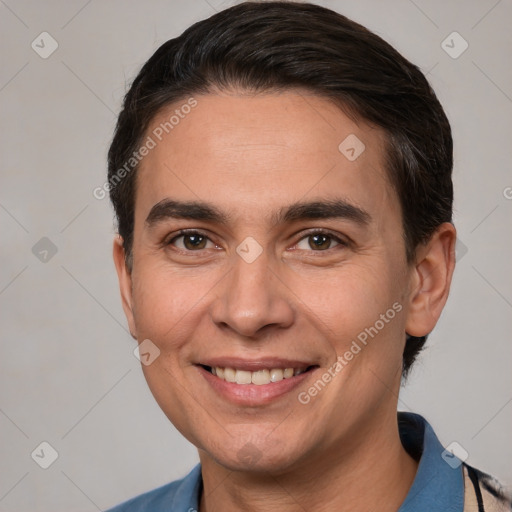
{"x": 153, "y": 500}
{"x": 483, "y": 492}
{"x": 182, "y": 494}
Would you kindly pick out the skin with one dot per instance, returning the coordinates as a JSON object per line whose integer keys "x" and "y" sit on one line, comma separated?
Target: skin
{"x": 250, "y": 156}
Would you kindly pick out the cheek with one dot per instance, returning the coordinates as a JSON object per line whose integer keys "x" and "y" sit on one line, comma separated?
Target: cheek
{"x": 165, "y": 303}
{"x": 356, "y": 303}
{"x": 361, "y": 316}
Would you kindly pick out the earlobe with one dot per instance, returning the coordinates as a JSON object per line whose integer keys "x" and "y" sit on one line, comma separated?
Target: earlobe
{"x": 430, "y": 281}
{"x": 125, "y": 283}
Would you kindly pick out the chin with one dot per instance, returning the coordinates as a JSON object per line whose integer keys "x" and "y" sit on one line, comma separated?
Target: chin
{"x": 255, "y": 457}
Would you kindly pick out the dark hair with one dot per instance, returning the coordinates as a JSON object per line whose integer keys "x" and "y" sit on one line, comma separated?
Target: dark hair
{"x": 275, "y": 46}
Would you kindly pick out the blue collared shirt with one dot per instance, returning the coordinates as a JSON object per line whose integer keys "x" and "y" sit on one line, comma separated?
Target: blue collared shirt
{"x": 438, "y": 485}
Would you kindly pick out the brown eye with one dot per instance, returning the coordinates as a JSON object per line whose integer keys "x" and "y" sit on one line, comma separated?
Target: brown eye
{"x": 319, "y": 242}
{"x": 191, "y": 242}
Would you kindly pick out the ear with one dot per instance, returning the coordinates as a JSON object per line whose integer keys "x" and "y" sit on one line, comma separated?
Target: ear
{"x": 430, "y": 281}
{"x": 125, "y": 283}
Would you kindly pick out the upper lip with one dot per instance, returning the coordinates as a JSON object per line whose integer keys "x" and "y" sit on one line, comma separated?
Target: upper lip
{"x": 253, "y": 365}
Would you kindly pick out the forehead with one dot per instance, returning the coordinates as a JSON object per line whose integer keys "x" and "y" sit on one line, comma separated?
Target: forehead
{"x": 254, "y": 153}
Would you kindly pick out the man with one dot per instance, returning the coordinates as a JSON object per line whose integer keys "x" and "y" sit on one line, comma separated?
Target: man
{"x": 282, "y": 184}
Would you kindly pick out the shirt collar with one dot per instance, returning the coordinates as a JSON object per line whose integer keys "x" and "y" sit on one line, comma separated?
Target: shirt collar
{"x": 439, "y": 483}
{"x": 189, "y": 491}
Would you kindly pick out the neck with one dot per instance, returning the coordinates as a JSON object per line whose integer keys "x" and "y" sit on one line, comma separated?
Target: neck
{"x": 374, "y": 473}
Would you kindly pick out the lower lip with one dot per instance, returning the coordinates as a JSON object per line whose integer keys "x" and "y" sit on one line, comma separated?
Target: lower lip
{"x": 252, "y": 394}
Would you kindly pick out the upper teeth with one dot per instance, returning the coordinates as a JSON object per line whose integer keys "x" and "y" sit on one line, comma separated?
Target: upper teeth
{"x": 259, "y": 377}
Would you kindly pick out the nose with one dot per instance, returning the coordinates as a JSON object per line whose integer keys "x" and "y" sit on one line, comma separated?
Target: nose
{"x": 252, "y": 299}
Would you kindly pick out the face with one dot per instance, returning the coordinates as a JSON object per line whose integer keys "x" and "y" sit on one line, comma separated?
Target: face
{"x": 266, "y": 255}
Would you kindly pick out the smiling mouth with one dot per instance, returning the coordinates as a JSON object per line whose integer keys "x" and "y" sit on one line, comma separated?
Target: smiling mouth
{"x": 259, "y": 377}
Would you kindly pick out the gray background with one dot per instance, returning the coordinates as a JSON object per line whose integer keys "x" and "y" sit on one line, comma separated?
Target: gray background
{"x": 67, "y": 372}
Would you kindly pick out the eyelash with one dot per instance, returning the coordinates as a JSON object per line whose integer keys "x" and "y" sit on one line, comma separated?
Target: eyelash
{"x": 190, "y": 232}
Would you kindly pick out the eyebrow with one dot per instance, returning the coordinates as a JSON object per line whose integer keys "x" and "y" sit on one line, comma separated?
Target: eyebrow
{"x": 328, "y": 209}
{"x": 195, "y": 210}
